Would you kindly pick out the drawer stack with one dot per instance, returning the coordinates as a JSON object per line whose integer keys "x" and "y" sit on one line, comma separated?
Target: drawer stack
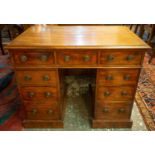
{"x": 115, "y": 88}
{"x": 39, "y": 82}
{"x": 39, "y": 87}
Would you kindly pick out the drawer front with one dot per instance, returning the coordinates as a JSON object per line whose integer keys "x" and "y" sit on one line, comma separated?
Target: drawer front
{"x": 120, "y": 57}
{"x": 115, "y": 93}
{"x": 40, "y": 104}
{"x": 35, "y": 113}
{"x": 29, "y": 58}
{"x": 37, "y": 77}
{"x": 39, "y": 93}
{"x": 113, "y": 111}
{"x": 117, "y": 77}
{"x": 74, "y": 57}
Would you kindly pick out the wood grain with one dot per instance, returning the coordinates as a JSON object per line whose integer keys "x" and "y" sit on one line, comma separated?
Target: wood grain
{"x": 123, "y": 93}
{"x": 40, "y": 78}
{"x": 78, "y": 37}
{"x": 117, "y": 77}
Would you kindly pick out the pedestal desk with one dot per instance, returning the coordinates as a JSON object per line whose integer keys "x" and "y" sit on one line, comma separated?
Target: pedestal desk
{"x": 40, "y": 52}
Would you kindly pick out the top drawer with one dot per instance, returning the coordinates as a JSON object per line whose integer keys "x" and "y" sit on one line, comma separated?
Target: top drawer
{"x": 77, "y": 57}
{"x": 122, "y": 57}
{"x": 33, "y": 57}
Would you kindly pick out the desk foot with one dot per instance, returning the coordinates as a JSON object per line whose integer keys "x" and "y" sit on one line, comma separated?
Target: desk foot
{"x": 43, "y": 124}
{"x": 111, "y": 124}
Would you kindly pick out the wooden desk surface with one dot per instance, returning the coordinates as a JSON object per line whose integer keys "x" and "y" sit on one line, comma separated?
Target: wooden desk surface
{"x": 66, "y": 37}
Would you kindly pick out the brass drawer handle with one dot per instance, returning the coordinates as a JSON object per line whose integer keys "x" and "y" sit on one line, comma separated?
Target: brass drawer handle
{"x": 31, "y": 94}
{"x": 124, "y": 93}
{"x": 49, "y": 111}
{"x": 67, "y": 58}
{"x": 27, "y": 78}
{"x": 110, "y": 57}
{"x": 43, "y": 57}
{"x": 109, "y": 77}
{"x": 23, "y": 58}
{"x": 121, "y": 110}
{"x": 129, "y": 57}
{"x": 34, "y": 111}
{"x": 86, "y": 58}
{"x": 127, "y": 77}
{"x": 48, "y": 94}
{"x": 46, "y": 78}
{"x": 105, "y": 110}
{"x": 107, "y": 93}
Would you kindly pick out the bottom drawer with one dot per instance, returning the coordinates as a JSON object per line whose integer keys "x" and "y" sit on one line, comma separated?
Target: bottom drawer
{"x": 35, "y": 113}
{"x": 113, "y": 111}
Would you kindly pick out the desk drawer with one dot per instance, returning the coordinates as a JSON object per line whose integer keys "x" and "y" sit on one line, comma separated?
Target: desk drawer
{"x": 117, "y": 77}
{"x": 39, "y": 93}
{"x": 40, "y": 104}
{"x": 115, "y": 93}
{"x": 33, "y": 57}
{"x": 76, "y": 57}
{"x": 37, "y": 77}
{"x": 114, "y": 111}
{"x": 125, "y": 57}
{"x": 35, "y": 113}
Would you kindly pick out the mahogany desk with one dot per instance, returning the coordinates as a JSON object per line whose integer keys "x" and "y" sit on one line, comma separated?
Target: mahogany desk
{"x": 40, "y": 52}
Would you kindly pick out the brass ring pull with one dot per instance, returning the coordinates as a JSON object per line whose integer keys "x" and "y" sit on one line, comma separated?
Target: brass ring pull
{"x": 86, "y": 58}
{"x": 110, "y": 57}
{"x": 67, "y": 58}
{"x": 23, "y": 58}
{"x": 105, "y": 110}
{"x": 49, "y": 111}
{"x": 43, "y": 57}
{"x": 48, "y": 94}
{"x": 31, "y": 94}
{"x": 121, "y": 110}
{"x": 46, "y": 78}
{"x": 124, "y": 93}
{"x": 129, "y": 57}
{"x": 109, "y": 77}
{"x": 34, "y": 111}
{"x": 27, "y": 78}
{"x": 127, "y": 77}
{"x": 107, "y": 93}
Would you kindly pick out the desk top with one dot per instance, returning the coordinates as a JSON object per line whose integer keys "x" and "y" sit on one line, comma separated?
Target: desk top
{"x": 67, "y": 37}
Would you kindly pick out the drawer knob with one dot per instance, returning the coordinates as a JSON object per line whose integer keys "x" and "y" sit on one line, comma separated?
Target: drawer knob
{"x": 109, "y": 77}
{"x": 49, "y": 111}
{"x": 129, "y": 57}
{"x": 23, "y": 58}
{"x": 34, "y": 111}
{"x": 48, "y": 94}
{"x": 86, "y": 58}
{"x": 43, "y": 57}
{"x": 105, "y": 110}
{"x": 107, "y": 93}
{"x": 124, "y": 93}
{"x": 110, "y": 57}
{"x": 127, "y": 77}
{"x": 46, "y": 78}
{"x": 31, "y": 94}
{"x": 67, "y": 58}
{"x": 121, "y": 110}
{"x": 27, "y": 77}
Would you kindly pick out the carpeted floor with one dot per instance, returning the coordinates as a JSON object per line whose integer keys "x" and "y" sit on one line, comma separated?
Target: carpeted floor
{"x": 145, "y": 96}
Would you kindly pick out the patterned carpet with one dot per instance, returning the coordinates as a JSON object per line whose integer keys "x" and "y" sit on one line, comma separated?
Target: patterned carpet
{"x": 145, "y": 96}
